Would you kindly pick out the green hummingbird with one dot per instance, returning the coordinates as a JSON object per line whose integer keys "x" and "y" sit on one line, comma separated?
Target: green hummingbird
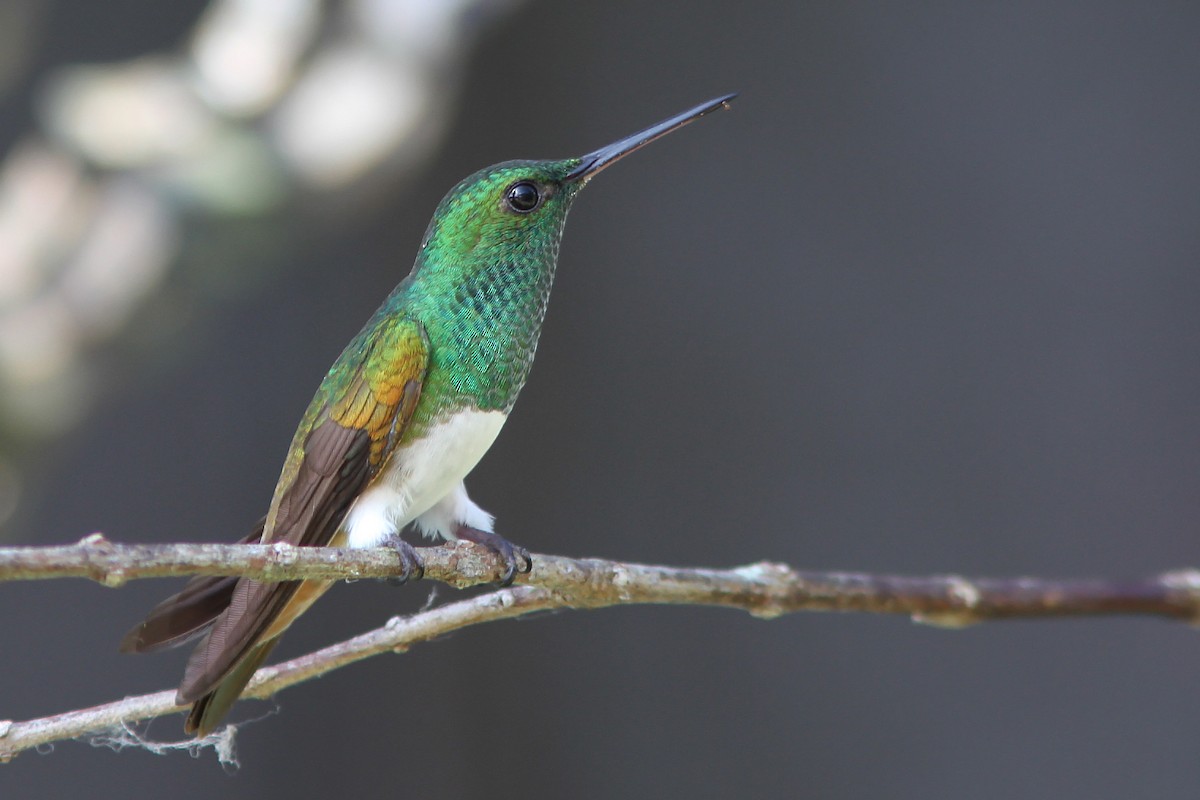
{"x": 406, "y": 411}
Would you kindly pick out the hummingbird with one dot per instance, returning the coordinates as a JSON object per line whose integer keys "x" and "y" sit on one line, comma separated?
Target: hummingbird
{"x": 403, "y": 415}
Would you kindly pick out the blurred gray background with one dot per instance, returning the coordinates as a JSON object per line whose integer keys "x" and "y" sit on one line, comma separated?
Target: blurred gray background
{"x": 924, "y": 301}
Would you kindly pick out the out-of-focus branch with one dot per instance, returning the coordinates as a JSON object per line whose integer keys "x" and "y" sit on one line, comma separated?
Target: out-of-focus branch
{"x": 764, "y": 589}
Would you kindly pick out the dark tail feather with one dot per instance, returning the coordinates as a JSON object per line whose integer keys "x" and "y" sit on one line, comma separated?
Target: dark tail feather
{"x": 181, "y": 617}
{"x": 186, "y": 615}
{"x": 209, "y": 710}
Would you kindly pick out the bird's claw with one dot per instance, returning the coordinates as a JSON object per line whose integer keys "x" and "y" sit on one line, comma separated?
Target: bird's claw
{"x": 509, "y": 552}
{"x": 412, "y": 568}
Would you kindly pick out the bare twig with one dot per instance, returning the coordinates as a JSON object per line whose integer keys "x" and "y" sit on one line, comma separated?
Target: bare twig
{"x": 397, "y": 635}
{"x": 764, "y": 589}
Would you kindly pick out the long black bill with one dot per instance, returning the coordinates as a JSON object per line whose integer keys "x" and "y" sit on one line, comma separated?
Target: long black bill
{"x": 592, "y": 163}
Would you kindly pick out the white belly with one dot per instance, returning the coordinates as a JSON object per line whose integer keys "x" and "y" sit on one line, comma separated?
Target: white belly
{"x": 426, "y": 476}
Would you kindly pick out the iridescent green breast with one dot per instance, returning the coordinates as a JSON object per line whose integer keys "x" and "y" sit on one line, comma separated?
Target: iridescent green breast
{"x": 484, "y": 335}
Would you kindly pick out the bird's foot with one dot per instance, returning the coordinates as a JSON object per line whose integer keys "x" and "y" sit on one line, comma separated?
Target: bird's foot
{"x": 411, "y": 566}
{"x": 511, "y": 553}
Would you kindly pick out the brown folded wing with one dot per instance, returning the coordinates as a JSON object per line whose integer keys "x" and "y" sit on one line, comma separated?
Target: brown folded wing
{"x": 355, "y": 428}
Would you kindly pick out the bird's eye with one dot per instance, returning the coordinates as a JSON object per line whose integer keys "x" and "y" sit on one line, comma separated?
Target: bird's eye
{"x": 523, "y": 197}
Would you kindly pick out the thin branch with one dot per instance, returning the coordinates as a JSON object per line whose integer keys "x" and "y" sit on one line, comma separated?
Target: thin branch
{"x": 764, "y": 589}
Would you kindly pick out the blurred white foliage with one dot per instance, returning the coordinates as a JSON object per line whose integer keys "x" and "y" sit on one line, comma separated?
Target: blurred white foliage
{"x": 377, "y": 91}
{"x": 246, "y": 52}
{"x": 349, "y": 112}
{"x": 268, "y": 98}
{"x": 128, "y": 115}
